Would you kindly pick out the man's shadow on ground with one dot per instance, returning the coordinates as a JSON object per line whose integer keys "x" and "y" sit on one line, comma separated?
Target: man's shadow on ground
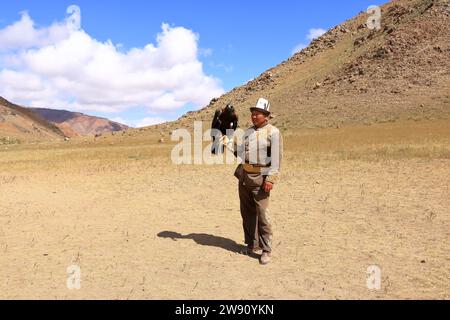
{"x": 207, "y": 240}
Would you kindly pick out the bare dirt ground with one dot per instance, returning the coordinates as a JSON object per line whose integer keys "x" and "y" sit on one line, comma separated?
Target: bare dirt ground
{"x": 142, "y": 228}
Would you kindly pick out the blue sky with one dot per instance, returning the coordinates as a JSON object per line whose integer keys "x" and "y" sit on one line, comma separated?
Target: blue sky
{"x": 238, "y": 40}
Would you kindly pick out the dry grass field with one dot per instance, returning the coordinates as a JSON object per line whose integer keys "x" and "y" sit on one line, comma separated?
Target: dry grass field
{"x": 140, "y": 227}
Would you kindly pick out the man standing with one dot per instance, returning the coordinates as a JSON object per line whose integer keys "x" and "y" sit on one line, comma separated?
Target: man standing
{"x": 260, "y": 153}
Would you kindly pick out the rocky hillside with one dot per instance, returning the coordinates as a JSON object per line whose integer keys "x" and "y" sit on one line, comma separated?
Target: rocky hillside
{"x": 354, "y": 75}
{"x": 19, "y": 124}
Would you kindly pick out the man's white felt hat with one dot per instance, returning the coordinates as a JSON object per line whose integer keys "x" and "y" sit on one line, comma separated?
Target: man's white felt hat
{"x": 263, "y": 106}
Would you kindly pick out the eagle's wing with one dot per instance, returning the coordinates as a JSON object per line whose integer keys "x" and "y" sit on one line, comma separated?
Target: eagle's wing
{"x": 216, "y": 120}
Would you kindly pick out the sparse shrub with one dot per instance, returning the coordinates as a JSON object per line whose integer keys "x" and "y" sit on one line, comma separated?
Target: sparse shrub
{"x": 9, "y": 140}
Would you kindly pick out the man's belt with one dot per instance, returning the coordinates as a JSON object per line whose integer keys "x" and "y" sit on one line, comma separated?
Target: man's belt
{"x": 253, "y": 168}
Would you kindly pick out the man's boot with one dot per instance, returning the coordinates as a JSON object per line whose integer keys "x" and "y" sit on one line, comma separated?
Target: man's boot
{"x": 265, "y": 258}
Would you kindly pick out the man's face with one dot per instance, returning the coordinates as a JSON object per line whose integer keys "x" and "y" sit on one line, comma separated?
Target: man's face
{"x": 258, "y": 118}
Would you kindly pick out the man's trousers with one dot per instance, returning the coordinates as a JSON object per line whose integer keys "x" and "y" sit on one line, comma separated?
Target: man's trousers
{"x": 254, "y": 210}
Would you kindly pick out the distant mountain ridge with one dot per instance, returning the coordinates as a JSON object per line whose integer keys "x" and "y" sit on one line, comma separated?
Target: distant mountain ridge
{"x": 79, "y": 124}
{"x": 18, "y": 123}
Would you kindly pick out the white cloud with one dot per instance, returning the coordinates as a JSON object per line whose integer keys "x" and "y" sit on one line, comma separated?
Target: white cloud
{"x": 149, "y": 122}
{"x": 23, "y": 34}
{"x": 298, "y": 48}
{"x": 122, "y": 121}
{"x": 225, "y": 67}
{"x": 145, "y": 122}
{"x": 313, "y": 33}
{"x": 63, "y": 67}
{"x": 206, "y": 52}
